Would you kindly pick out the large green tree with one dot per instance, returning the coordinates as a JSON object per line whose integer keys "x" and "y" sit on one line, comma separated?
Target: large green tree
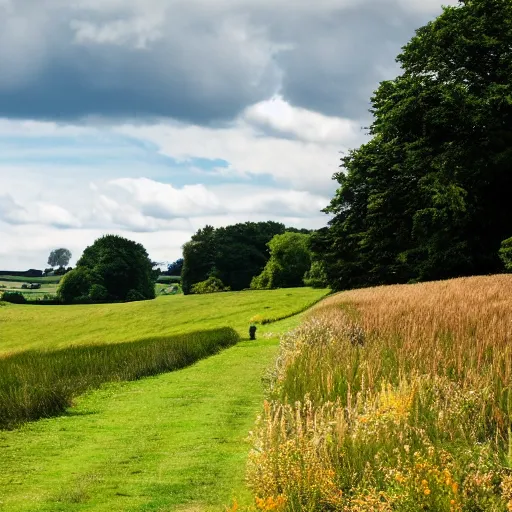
{"x": 119, "y": 266}
{"x": 290, "y": 259}
{"x": 428, "y": 196}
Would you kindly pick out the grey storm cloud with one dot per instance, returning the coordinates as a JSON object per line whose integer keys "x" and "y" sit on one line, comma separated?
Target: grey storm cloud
{"x": 200, "y": 61}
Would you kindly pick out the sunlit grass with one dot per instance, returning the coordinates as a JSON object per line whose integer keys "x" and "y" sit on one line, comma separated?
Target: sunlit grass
{"x": 393, "y": 399}
{"x": 53, "y": 327}
{"x": 37, "y": 384}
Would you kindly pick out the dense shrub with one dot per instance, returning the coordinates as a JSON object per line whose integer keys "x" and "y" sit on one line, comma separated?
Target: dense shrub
{"x": 14, "y": 297}
{"x": 76, "y": 285}
{"x": 316, "y": 276}
{"x": 98, "y": 293}
{"x": 211, "y": 285}
{"x": 290, "y": 258}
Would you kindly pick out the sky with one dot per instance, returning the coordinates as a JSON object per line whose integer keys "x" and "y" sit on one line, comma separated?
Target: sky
{"x": 152, "y": 118}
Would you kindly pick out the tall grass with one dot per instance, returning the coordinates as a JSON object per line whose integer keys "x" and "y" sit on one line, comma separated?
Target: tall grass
{"x": 37, "y": 384}
{"x": 392, "y": 398}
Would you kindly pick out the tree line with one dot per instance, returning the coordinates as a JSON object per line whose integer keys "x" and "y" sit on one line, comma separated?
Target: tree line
{"x": 244, "y": 255}
{"x": 428, "y": 197}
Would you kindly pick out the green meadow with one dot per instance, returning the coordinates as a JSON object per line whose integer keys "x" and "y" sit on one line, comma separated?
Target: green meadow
{"x": 173, "y": 440}
{"x": 54, "y": 327}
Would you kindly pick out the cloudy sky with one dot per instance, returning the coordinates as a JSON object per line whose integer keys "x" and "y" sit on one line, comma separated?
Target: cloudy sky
{"x": 151, "y": 118}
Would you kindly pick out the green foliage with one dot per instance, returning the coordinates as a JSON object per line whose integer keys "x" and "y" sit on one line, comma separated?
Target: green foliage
{"x": 76, "y": 285}
{"x": 40, "y": 384}
{"x": 506, "y": 253}
{"x": 14, "y": 297}
{"x": 234, "y": 254}
{"x": 59, "y": 257}
{"x": 198, "y": 258}
{"x": 427, "y": 198}
{"x": 174, "y": 268}
{"x": 120, "y": 266}
{"x": 134, "y": 296}
{"x": 290, "y": 259}
{"x": 210, "y": 285}
{"x": 316, "y": 276}
{"x": 98, "y": 293}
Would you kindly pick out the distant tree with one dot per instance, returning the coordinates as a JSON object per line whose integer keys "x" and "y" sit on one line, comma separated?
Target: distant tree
{"x": 174, "y": 268}
{"x": 199, "y": 258}
{"x": 59, "y": 257}
{"x": 76, "y": 285}
{"x": 234, "y": 254}
{"x": 122, "y": 267}
{"x": 290, "y": 259}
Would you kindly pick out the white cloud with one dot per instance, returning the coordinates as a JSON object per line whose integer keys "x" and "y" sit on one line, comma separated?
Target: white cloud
{"x": 148, "y": 205}
{"x": 163, "y": 201}
{"x": 36, "y": 213}
{"x": 297, "y": 147}
{"x": 308, "y": 126}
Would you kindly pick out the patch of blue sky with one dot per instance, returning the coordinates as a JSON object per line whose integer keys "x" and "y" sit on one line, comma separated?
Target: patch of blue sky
{"x": 113, "y": 156}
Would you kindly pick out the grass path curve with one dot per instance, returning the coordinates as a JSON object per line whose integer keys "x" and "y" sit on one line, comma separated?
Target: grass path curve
{"x": 172, "y": 442}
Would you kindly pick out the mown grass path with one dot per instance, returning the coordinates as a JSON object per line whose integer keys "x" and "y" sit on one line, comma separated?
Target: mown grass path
{"x": 172, "y": 442}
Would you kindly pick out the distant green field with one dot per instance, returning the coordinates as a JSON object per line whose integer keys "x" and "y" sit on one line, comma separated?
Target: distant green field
{"x": 53, "y": 327}
{"x": 50, "y": 287}
{"x": 47, "y": 288}
{"x": 20, "y": 279}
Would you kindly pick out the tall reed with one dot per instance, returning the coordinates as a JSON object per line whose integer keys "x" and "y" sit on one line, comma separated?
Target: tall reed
{"x": 37, "y": 384}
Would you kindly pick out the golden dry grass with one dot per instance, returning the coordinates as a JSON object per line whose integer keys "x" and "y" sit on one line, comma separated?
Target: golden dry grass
{"x": 392, "y": 398}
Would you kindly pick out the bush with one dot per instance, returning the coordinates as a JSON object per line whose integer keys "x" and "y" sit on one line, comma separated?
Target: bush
{"x": 506, "y": 253}
{"x": 211, "y": 285}
{"x": 76, "y": 285}
{"x": 290, "y": 259}
{"x": 98, "y": 293}
{"x": 14, "y": 297}
{"x": 316, "y": 276}
{"x": 112, "y": 269}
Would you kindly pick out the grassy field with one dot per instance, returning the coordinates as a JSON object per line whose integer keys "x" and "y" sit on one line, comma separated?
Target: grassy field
{"x": 35, "y": 384}
{"x": 53, "y": 327}
{"x": 176, "y": 441}
{"x": 47, "y": 288}
{"x": 172, "y": 442}
{"x": 395, "y": 398}
{"x": 22, "y": 279}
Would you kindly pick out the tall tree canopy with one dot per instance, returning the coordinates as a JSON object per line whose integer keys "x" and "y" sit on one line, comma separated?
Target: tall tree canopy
{"x": 429, "y": 196}
{"x": 234, "y": 254}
